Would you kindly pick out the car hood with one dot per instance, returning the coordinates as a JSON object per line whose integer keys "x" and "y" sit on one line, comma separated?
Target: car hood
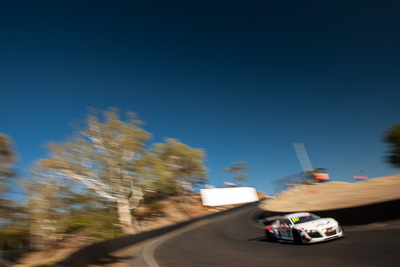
{"x": 318, "y": 224}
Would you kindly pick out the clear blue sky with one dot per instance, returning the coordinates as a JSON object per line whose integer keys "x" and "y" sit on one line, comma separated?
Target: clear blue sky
{"x": 241, "y": 79}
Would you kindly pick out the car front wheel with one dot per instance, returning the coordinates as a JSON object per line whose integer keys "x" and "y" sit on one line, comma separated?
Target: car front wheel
{"x": 270, "y": 237}
{"x": 296, "y": 237}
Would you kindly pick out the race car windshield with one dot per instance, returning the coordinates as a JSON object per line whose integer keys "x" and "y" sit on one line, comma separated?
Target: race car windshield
{"x": 303, "y": 219}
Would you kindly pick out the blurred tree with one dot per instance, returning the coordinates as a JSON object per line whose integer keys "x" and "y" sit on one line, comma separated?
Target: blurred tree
{"x": 237, "y": 169}
{"x": 57, "y": 206}
{"x": 175, "y": 167}
{"x": 7, "y": 160}
{"x": 14, "y": 230}
{"x": 47, "y": 207}
{"x": 103, "y": 158}
{"x": 392, "y": 136}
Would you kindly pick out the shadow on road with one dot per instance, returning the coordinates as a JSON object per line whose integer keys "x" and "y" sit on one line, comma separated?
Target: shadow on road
{"x": 111, "y": 259}
{"x": 260, "y": 239}
{"x": 264, "y": 239}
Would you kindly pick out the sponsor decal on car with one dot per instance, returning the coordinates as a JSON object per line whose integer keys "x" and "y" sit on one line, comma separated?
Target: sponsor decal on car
{"x": 298, "y": 216}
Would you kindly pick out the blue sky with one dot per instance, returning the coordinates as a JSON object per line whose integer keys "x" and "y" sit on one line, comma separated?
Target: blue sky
{"x": 241, "y": 79}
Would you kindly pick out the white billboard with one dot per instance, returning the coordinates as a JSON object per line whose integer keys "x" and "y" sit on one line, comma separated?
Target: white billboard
{"x": 227, "y": 196}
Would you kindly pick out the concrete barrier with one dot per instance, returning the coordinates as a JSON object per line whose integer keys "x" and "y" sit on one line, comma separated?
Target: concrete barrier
{"x": 228, "y": 196}
{"x": 91, "y": 253}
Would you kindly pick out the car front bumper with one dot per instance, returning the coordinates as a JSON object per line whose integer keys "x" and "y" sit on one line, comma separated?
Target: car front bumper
{"x": 336, "y": 232}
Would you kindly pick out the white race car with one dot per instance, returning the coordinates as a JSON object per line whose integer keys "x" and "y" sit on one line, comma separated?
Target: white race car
{"x": 302, "y": 227}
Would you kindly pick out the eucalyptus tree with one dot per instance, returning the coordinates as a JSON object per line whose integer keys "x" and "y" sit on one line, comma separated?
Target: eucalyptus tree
{"x": 46, "y": 206}
{"x": 104, "y": 157}
{"x": 392, "y": 137}
{"x": 237, "y": 170}
{"x": 7, "y": 173}
{"x": 13, "y": 226}
{"x": 57, "y": 206}
{"x": 7, "y": 158}
{"x": 176, "y": 167}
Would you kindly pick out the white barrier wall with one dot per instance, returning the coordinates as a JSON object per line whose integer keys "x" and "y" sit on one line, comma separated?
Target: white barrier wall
{"x": 228, "y": 196}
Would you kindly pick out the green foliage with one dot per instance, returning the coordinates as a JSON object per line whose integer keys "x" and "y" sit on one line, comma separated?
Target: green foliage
{"x": 173, "y": 166}
{"x": 392, "y": 137}
{"x": 7, "y": 154}
{"x": 99, "y": 225}
{"x": 77, "y": 222}
{"x": 8, "y": 208}
{"x": 7, "y": 159}
{"x": 155, "y": 207}
{"x": 14, "y": 233}
{"x": 236, "y": 169}
{"x": 14, "y": 227}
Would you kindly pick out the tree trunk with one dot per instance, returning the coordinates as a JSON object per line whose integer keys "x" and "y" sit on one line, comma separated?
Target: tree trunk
{"x": 125, "y": 217}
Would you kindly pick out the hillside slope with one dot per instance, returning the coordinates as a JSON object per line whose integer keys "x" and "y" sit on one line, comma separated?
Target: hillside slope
{"x": 335, "y": 195}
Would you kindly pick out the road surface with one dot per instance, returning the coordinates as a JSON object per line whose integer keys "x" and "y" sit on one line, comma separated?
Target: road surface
{"x": 235, "y": 239}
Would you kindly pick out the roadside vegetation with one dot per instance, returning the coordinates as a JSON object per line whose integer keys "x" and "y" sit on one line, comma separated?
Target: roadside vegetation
{"x": 237, "y": 169}
{"x": 103, "y": 182}
{"x": 392, "y": 138}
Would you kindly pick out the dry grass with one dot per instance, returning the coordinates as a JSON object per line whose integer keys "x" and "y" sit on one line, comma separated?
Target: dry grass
{"x": 335, "y": 195}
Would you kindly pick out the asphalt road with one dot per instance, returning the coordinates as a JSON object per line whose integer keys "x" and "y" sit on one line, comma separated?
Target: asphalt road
{"x": 235, "y": 239}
